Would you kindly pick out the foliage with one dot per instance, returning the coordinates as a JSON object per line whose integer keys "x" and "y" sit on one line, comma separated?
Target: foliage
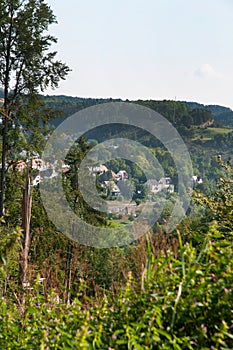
{"x": 219, "y": 204}
{"x": 25, "y": 61}
{"x": 179, "y": 303}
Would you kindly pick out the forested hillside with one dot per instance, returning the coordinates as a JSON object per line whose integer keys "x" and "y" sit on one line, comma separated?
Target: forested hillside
{"x": 204, "y": 137}
{"x": 221, "y": 114}
{"x": 182, "y": 113}
{"x": 171, "y": 109}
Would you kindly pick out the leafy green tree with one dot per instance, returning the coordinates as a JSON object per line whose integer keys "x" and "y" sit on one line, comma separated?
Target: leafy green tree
{"x": 74, "y": 158}
{"x": 26, "y": 64}
{"x": 219, "y": 205}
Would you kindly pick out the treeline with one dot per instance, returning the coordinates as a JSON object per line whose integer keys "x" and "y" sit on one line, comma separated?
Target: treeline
{"x": 178, "y": 113}
{"x": 181, "y": 113}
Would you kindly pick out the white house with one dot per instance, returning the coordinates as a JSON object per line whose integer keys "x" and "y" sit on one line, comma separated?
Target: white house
{"x": 122, "y": 175}
{"x": 36, "y": 180}
{"x": 165, "y": 183}
{"x": 98, "y": 169}
{"x": 197, "y": 179}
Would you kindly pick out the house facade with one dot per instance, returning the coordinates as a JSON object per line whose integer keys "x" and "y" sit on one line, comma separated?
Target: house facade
{"x": 165, "y": 183}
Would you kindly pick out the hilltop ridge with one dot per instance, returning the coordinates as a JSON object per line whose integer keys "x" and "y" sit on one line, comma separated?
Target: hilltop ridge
{"x": 69, "y": 105}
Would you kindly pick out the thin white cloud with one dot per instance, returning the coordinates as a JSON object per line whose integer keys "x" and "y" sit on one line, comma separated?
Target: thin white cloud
{"x": 207, "y": 71}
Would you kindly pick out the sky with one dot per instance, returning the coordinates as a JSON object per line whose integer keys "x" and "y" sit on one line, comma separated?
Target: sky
{"x": 147, "y": 49}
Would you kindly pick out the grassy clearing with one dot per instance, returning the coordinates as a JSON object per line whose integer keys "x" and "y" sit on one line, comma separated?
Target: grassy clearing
{"x": 209, "y": 133}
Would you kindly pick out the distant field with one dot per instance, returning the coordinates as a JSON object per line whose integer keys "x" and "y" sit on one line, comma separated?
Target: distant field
{"x": 215, "y": 131}
{"x": 209, "y": 133}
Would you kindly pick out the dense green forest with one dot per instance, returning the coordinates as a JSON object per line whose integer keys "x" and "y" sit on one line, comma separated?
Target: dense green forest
{"x": 175, "y": 111}
{"x": 167, "y": 289}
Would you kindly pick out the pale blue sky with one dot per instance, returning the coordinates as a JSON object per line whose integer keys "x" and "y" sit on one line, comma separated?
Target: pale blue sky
{"x": 149, "y": 49}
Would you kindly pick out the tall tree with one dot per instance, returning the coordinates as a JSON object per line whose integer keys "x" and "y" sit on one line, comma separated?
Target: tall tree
{"x": 27, "y": 67}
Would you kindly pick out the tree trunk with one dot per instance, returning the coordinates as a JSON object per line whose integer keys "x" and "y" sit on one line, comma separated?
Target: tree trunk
{"x": 5, "y": 124}
{"x": 5, "y": 120}
{"x": 26, "y": 218}
{"x": 69, "y": 259}
{"x": 3, "y": 169}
